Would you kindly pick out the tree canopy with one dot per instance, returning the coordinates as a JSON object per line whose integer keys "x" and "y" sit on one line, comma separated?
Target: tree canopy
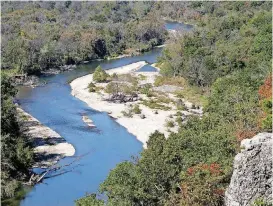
{"x": 229, "y": 54}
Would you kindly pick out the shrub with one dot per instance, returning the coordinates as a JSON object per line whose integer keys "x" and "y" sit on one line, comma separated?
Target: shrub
{"x": 91, "y": 87}
{"x": 163, "y": 80}
{"x": 89, "y": 200}
{"x": 179, "y": 120}
{"x": 178, "y": 113}
{"x": 182, "y": 107}
{"x": 112, "y": 88}
{"x": 100, "y": 75}
{"x": 261, "y": 202}
{"x": 153, "y": 104}
{"x": 136, "y": 109}
{"x": 170, "y": 123}
{"x": 163, "y": 99}
{"x": 146, "y": 89}
{"x": 127, "y": 113}
{"x": 198, "y": 177}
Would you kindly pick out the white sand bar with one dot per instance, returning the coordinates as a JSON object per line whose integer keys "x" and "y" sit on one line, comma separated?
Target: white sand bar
{"x": 141, "y": 128}
{"x": 48, "y": 144}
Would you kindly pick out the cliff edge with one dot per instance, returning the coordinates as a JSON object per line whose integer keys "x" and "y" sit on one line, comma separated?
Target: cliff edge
{"x": 252, "y": 172}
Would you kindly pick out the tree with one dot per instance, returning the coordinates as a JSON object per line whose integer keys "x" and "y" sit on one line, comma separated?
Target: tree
{"x": 16, "y": 152}
{"x": 100, "y": 75}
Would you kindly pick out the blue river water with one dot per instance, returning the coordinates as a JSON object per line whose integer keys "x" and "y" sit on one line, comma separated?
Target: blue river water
{"x": 105, "y": 146}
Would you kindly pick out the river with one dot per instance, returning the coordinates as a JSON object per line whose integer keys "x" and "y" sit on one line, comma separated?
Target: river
{"x": 106, "y": 145}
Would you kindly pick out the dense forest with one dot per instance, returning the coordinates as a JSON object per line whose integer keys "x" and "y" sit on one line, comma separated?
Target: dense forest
{"x": 227, "y": 56}
{"x": 41, "y": 35}
{"x": 16, "y": 152}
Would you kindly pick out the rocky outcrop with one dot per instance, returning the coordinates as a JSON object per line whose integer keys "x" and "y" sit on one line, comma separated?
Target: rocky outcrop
{"x": 252, "y": 175}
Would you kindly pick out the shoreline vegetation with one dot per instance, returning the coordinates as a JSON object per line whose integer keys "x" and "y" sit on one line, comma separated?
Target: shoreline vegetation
{"x": 227, "y": 59}
{"x": 155, "y": 112}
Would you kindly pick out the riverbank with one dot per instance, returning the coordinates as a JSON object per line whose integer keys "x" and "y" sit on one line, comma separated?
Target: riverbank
{"x": 141, "y": 125}
{"x": 49, "y": 146}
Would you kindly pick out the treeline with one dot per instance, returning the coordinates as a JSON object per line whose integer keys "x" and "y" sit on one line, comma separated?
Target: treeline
{"x": 16, "y": 152}
{"x": 229, "y": 54}
{"x": 41, "y": 35}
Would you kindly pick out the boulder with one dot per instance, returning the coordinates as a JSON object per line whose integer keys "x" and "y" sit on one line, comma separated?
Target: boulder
{"x": 142, "y": 116}
{"x": 252, "y": 172}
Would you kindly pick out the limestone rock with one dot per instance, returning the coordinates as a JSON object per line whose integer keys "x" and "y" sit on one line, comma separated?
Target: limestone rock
{"x": 252, "y": 172}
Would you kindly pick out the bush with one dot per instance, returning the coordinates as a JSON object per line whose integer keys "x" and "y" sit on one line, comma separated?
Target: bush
{"x": 153, "y": 104}
{"x": 91, "y": 87}
{"x": 112, "y": 88}
{"x": 179, "y": 120}
{"x": 89, "y": 200}
{"x": 146, "y": 89}
{"x": 178, "y": 113}
{"x": 163, "y": 99}
{"x": 136, "y": 109}
{"x": 163, "y": 80}
{"x": 100, "y": 75}
{"x": 127, "y": 113}
{"x": 170, "y": 123}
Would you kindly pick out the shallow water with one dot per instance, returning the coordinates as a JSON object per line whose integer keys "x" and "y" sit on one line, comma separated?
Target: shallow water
{"x": 106, "y": 145}
{"x": 147, "y": 68}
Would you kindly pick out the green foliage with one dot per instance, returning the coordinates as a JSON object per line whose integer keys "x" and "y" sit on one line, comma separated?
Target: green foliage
{"x": 136, "y": 109}
{"x": 91, "y": 87}
{"x": 17, "y": 195}
{"x": 128, "y": 113}
{"x": 16, "y": 154}
{"x": 154, "y": 104}
{"x": 229, "y": 55}
{"x": 36, "y": 39}
{"x": 146, "y": 89}
{"x": 100, "y": 75}
{"x": 233, "y": 42}
{"x": 170, "y": 123}
{"x": 89, "y": 200}
{"x": 261, "y": 202}
{"x": 165, "y": 80}
{"x": 200, "y": 185}
{"x": 112, "y": 88}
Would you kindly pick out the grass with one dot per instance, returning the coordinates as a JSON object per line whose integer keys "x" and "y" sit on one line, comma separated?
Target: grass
{"x": 153, "y": 104}
{"x": 163, "y": 99}
{"x": 194, "y": 94}
{"x": 176, "y": 81}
